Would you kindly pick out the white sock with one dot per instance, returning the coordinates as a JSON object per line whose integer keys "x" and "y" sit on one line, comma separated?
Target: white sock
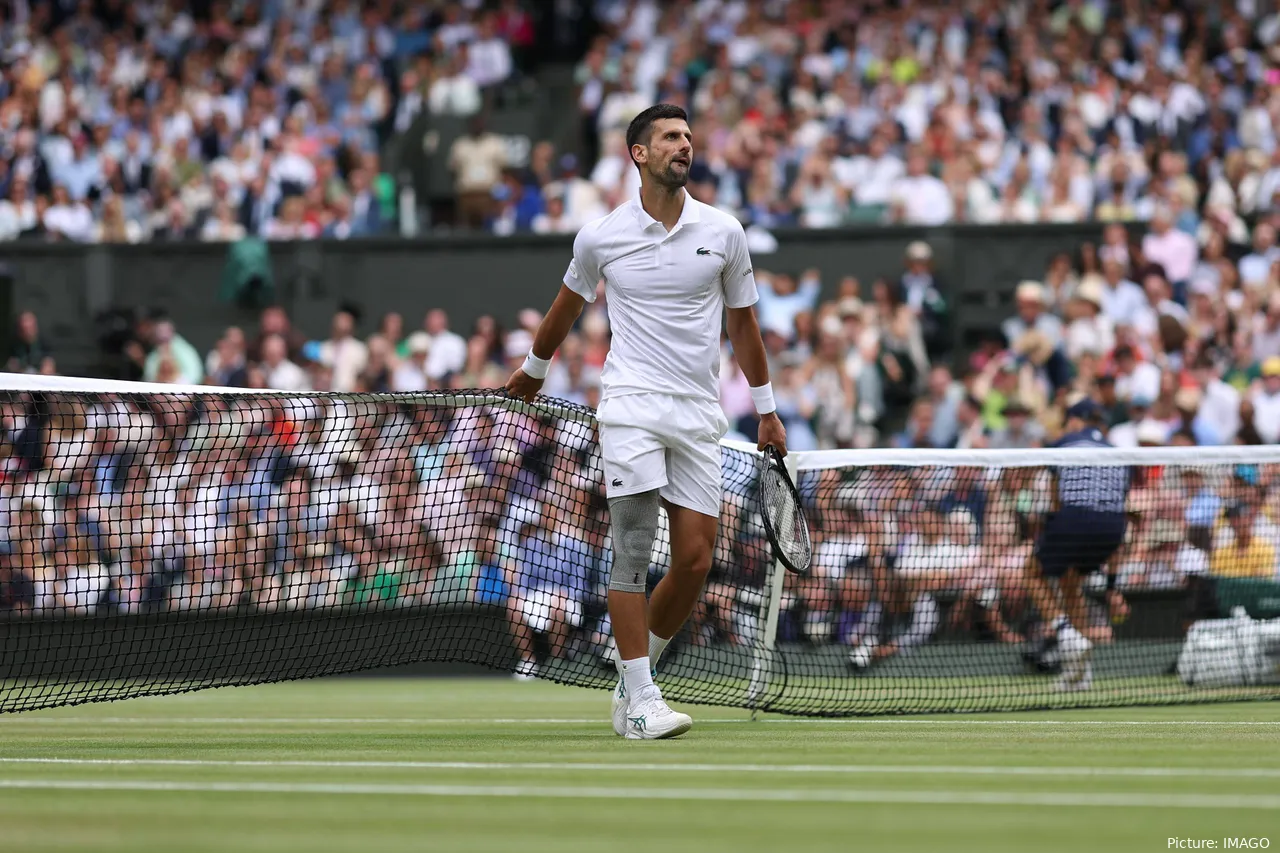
{"x": 657, "y": 646}
{"x": 636, "y": 674}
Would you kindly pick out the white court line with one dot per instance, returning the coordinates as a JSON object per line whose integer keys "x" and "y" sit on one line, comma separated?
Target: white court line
{"x": 459, "y": 721}
{"x": 746, "y": 795}
{"x": 623, "y": 767}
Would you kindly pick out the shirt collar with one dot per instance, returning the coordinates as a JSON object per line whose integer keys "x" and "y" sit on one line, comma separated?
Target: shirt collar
{"x": 688, "y": 214}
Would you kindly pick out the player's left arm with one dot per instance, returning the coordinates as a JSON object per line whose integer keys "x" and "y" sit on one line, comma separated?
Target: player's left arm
{"x": 740, "y": 295}
{"x": 748, "y": 348}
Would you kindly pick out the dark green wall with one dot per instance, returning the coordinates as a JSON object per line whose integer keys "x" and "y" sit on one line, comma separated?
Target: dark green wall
{"x": 468, "y": 276}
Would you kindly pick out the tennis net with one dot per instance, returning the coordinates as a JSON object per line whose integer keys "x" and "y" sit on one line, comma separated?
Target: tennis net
{"x": 162, "y": 539}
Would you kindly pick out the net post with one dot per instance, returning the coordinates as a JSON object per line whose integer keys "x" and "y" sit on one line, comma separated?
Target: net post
{"x": 763, "y": 655}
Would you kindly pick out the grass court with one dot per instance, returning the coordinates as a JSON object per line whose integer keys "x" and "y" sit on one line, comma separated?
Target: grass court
{"x": 491, "y": 764}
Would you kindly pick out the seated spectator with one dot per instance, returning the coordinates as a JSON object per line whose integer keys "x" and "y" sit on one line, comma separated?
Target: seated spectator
{"x": 68, "y": 218}
{"x": 173, "y": 350}
{"x": 410, "y": 374}
{"x": 1030, "y": 299}
{"x": 29, "y": 350}
{"x": 1247, "y": 555}
{"x": 1088, "y": 330}
{"x": 281, "y": 373}
{"x": 18, "y": 211}
{"x": 343, "y": 353}
{"x": 554, "y": 220}
{"x": 1265, "y": 398}
{"x": 918, "y": 198}
{"x": 1019, "y": 431}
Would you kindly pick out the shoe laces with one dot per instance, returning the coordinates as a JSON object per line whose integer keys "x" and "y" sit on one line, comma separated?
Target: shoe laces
{"x": 648, "y": 696}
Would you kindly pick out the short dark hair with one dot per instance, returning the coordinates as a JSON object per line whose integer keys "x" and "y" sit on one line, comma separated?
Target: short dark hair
{"x": 641, "y": 128}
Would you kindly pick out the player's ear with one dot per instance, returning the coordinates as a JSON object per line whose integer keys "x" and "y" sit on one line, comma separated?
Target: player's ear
{"x": 639, "y": 153}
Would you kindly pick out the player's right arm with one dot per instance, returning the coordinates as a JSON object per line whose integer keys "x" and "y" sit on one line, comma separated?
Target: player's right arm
{"x": 552, "y": 331}
{"x": 579, "y": 288}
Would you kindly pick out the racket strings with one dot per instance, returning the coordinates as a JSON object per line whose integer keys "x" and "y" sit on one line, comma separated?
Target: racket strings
{"x": 788, "y": 523}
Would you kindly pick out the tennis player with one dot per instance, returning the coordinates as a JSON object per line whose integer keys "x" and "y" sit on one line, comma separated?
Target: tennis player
{"x": 1080, "y": 537}
{"x": 671, "y": 267}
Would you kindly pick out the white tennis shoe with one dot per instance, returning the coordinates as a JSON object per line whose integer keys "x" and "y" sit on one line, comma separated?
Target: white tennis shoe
{"x": 1075, "y": 649}
{"x": 1084, "y": 682}
{"x": 650, "y": 718}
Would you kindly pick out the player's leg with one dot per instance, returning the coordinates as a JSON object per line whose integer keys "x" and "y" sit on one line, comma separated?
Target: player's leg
{"x": 693, "y": 539}
{"x": 1071, "y": 585}
{"x": 634, "y": 463}
{"x": 1074, "y": 646}
{"x": 692, "y": 497}
{"x": 1048, "y": 562}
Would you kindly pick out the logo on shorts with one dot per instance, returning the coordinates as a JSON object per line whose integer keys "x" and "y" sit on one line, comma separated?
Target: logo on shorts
{"x": 702, "y": 251}
{"x": 617, "y": 481}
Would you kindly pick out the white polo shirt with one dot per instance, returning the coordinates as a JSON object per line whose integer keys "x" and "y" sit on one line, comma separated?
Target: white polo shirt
{"x": 666, "y": 295}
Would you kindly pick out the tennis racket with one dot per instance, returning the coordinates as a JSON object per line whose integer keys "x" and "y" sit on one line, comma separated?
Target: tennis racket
{"x": 784, "y": 521}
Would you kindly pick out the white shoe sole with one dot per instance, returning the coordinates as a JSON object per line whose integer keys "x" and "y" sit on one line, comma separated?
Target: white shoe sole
{"x": 683, "y": 723}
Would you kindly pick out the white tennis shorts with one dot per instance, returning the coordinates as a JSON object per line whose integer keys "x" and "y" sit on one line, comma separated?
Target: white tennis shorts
{"x": 665, "y": 442}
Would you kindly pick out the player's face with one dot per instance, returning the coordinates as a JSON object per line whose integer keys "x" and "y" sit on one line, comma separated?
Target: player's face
{"x": 669, "y": 154}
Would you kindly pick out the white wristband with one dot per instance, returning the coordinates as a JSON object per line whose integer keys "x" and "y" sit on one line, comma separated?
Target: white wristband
{"x": 534, "y": 367}
{"x": 763, "y": 398}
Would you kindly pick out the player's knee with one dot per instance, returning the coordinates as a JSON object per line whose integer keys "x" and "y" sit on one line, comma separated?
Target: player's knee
{"x": 634, "y": 524}
{"x": 696, "y": 565}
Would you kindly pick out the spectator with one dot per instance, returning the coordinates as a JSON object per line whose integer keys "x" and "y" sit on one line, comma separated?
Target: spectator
{"x": 554, "y": 220}
{"x": 366, "y": 213}
{"x": 1032, "y": 316}
{"x": 1175, "y": 251}
{"x": 67, "y": 218}
{"x": 1089, "y": 330}
{"x": 225, "y": 365}
{"x": 922, "y": 293}
{"x": 1247, "y": 555}
{"x": 782, "y": 298}
{"x": 488, "y": 54}
{"x": 281, "y": 373}
{"x": 172, "y": 357}
{"x": 1019, "y": 430}
{"x": 918, "y": 198}
{"x": 113, "y": 227}
{"x": 476, "y": 159}
{"x": 342, "y": 353}
{"x": 411, "y": 373}
{"x": 29, "y": 351}
{"x": 454, "y": 92}
{"x": 18, "y": 211}
{"x": 1266, "y": 401}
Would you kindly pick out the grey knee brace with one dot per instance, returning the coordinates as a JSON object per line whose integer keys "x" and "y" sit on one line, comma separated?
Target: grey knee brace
{"x": 634, "y": 522}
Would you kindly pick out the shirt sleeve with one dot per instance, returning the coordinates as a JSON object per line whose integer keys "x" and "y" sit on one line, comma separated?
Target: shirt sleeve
{"x": 583, "y": 273}
{"x": 737, "y": 277}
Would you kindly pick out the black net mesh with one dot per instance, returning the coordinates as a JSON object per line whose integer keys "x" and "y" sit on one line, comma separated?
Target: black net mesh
{"x": 160, "y": 542}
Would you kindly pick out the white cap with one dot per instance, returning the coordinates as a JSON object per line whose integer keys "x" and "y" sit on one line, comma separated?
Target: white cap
{"x": 919, "y": 250}
{"x": 419, "y": 343}
{"x": 1090, "y": 291}
{"x": 1030, "y": 291}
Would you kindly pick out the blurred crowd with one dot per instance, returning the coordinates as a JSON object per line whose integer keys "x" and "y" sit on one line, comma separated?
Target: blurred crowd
{"x": 374, "y": 500}
{"x": 160, "y": 120}
{"x": 154, "y": 120}
{"x": 143, "y": 121}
